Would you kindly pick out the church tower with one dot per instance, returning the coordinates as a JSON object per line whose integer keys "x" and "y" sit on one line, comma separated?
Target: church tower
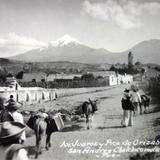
{"x": 130, "y": 60}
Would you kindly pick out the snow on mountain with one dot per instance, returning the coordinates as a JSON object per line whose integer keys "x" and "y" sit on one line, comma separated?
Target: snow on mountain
{"x": 64, "y": 49}
{"x": 69, "y": 49}
{"x": 65, "y": 40}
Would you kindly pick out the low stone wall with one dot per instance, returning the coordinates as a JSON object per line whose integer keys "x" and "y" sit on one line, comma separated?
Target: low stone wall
{"x": 30, "y": 95}
{"x": 36, "y": 95}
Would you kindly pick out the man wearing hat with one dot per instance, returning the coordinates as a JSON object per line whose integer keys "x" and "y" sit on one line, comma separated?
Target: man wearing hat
{"x": 127, "y": 109}
{"x": 4, "y": 114}
{"x": 17, "y": 117}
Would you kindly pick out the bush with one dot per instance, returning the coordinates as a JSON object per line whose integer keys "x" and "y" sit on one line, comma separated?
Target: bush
{"x": 154, "y": 87}
{"x": 88, "y": 77}
{"x": 20, "y": 75}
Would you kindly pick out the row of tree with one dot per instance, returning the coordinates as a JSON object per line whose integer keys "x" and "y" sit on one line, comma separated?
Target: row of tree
{"x": 129, "y": 70}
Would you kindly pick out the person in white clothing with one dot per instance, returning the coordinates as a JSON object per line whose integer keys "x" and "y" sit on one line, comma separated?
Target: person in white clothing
{"x": 17, "y": 117}
{"x": 135, "y": 99}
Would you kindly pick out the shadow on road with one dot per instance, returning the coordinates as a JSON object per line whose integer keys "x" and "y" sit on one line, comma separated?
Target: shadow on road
{"x": 155, "y": 110}
{"x": 31, "y": 150}
{"x": 103, "y": 98}
{"x": 109, "y": 127}
{"x": 113, "y": 116}
{"x": 72, "y": 128}
{"x": 156, "y": 122}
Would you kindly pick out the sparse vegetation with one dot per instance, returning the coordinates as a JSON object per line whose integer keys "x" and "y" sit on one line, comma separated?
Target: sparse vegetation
{"x": 154, "y": 87}
{"x": 157, "y": 68}
{"x": 3, "y": 75}
{"x": 123, "y": 70}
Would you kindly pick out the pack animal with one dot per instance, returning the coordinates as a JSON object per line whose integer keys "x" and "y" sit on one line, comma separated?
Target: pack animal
{"x": 88, "y": 109}
{"x": 145, "y": 102}
{"x": 41, "y": 127}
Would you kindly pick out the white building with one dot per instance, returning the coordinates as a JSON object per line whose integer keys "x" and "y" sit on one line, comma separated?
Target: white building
{"x": 124, "y": 79}
{"x": 112, "y": 80}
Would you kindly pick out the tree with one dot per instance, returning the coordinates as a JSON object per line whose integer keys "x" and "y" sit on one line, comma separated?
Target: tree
{"x": 88, "y": 77}
{"x": 112, "y": 68}
{"x": 9, "y": 75}
{"x": 20, "y": 75}
{"x": 34, "y": 80}
{"x": 43, "y": 80}
{"x": 143, "y": 70}
{"x": 3, "y": 74}
{"x": 138, "y": 63}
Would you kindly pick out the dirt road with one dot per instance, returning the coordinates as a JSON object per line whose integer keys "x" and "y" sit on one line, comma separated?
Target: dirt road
{"x": 106, "y": 139}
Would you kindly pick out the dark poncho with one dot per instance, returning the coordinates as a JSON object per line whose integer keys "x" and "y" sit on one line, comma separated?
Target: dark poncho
{"x": 127, "y": 104}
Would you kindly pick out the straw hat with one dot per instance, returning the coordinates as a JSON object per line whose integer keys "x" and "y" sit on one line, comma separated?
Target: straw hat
{"x": 10, "y": 130}
{"x": 12, "y": 106}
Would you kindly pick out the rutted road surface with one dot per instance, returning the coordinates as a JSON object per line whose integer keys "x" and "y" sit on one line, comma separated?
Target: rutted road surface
{"x": 77, "y": 143}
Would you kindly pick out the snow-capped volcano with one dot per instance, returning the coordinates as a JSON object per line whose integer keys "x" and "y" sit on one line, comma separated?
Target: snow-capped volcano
{"x": 65, "y": 40}
{"x": 69, "y": 49}
{"x": 65, "y": 48}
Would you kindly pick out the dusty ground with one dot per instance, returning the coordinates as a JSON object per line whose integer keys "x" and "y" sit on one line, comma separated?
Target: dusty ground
{"x": 106, "y": 130}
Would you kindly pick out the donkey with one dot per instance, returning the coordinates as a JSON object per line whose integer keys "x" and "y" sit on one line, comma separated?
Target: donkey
{"x": 88, "y": 109}
{"x": 42, "y": 126}
{"x": 145, "y": 102}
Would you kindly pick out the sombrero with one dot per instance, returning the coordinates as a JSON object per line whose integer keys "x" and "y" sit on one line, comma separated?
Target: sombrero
{"x": 10, "y": 131}
{"x": 12, "y": 106}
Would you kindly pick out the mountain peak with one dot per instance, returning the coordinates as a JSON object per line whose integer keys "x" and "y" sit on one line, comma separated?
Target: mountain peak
{"x": 65, "y": 40}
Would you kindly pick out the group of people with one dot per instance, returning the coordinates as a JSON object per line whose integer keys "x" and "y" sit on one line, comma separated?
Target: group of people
{"x": 131, "y": 103}
{"x": 8, "y": 114}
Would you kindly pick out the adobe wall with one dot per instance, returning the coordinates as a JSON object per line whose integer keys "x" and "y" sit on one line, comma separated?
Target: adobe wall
{"x": 36, "y": 95}
{"x": 30, "y": 96}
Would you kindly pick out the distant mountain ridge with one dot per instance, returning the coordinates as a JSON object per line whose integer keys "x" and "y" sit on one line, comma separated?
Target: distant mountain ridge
{"x": 70, "y": 49}
{"x": 147, "y": 51}
{"x": 13, "y": 66}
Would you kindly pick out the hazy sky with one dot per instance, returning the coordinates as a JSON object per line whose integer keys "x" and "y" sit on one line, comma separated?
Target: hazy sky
{"x": 115, "y": 25}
